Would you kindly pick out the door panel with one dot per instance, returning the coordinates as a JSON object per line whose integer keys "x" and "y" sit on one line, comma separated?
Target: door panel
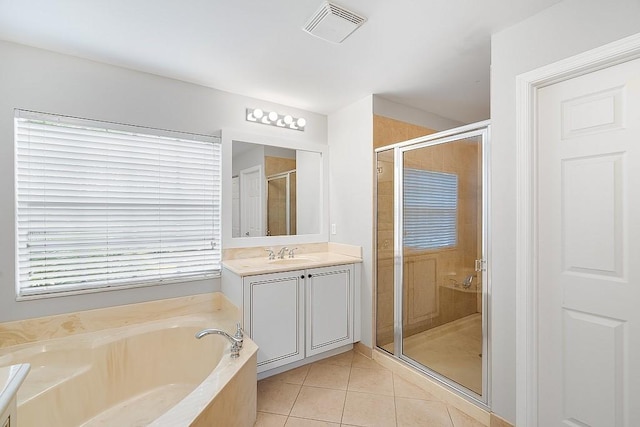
{"x": 588, "y": 179}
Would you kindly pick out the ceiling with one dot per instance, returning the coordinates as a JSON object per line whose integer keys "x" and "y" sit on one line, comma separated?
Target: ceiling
{"x": 432, "y": 55}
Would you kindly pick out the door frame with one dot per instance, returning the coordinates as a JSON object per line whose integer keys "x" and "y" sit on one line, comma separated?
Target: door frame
{"x": 527, "y": 86}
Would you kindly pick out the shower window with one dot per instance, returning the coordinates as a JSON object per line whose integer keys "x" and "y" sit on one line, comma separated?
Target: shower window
{"x": 430, "y": 209}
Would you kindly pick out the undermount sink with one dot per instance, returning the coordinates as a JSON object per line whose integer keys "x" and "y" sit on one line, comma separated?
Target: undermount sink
{"x": 285, "y": 261}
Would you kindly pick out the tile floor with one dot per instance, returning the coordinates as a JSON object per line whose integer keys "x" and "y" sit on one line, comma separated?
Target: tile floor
{"x": 350, "y": 390}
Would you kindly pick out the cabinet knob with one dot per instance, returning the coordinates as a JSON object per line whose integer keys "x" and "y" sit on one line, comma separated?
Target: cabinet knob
{"x": 302, "y": 277}
{"x": 309, "y": 276}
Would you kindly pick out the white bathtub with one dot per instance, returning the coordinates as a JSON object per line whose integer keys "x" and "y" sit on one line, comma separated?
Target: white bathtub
{"x": 154, "y": 373}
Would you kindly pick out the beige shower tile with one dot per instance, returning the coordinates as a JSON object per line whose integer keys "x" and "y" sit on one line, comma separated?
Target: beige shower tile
{"x": 364, "y": 409}
{"x": 319, "y": 404}
{"x": 265, "y": 419}
{"x": 419, "y": 413}
{"x": 403, "y": 388}
{"x": 276, "y": 397}
{"x": 371, "y": 381}
{"x": 328, "y": 376}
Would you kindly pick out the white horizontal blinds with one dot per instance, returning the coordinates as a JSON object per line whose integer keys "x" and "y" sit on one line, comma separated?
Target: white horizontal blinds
{"x": 100, "y": 208}
{"x": 430, "y": 209}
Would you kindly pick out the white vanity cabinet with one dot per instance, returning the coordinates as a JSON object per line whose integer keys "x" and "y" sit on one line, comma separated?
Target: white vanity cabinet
{"x": 273, "y": 316}
{"x": 296, "y": 314}
{"x": 329, "y": 308}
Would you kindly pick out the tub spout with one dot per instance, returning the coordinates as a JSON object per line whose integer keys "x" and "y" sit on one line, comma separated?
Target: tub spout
{"x": 236, "y": 341}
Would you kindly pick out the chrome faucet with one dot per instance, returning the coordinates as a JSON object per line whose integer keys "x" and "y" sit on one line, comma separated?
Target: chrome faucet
{"x": 281, "y": 252}
{"x": 291, "y": 252}
{"x": 236, "y": 340}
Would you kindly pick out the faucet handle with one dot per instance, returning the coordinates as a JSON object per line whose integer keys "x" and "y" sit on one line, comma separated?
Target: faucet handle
{"x": 291, "y": 252}
{"x": 239, "y": 334}
{"x": 272, "y": 254}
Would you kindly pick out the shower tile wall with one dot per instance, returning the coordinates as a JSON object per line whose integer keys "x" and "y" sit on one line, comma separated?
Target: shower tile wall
{"x": 430, "y": 302}
{"x": 277, "y": 196}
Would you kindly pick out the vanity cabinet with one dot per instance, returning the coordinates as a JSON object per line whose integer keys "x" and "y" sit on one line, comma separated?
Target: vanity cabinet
{"x": 273, "y": 316}
{"x": 329, "y": 308}
{"x": 296, "y": 314}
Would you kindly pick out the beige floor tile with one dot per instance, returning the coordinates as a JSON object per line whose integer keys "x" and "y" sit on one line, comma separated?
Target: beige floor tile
{"x": 328, "y": 376}
{"x": 276, "y": 397}
{"x": 342, "y": 359}
{"x": 364, "y": 409}
{"x": 302, "y": 422}
{"x": 265, "y": 419}
{"x": 403, "y": 388}
{"x": 371, "y": 381}
{"x": 292, "y": 376}
{"x": 319, "y": 404}
{"x": 360, "y": 361}
{"x": 460, "y": 419}
{"x": 419, "y": 413}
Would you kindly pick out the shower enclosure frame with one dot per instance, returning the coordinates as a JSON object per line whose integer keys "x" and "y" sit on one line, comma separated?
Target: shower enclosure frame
{"x": 482, "y": 130}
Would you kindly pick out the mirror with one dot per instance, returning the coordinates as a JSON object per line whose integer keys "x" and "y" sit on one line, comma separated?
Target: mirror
{"x": 276, "y": 191}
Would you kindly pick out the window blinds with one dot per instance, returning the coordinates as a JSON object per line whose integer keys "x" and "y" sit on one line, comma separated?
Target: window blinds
{"x": 98, "y": 207}
{"x": 430, "y": 209}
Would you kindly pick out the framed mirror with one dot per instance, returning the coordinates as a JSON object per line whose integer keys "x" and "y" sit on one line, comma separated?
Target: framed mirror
{"x": 274, "y": 191}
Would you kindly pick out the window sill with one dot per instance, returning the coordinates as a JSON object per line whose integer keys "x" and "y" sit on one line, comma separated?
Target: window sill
{"x": 49, "y": 293}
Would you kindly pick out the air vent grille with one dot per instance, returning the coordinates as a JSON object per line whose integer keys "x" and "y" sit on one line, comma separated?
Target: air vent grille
{"x": 346, "y": 14}
{"x": 333, "y": 23}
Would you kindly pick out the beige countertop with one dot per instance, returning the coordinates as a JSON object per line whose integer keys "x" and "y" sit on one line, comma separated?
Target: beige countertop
{"x": 261, "y": 265}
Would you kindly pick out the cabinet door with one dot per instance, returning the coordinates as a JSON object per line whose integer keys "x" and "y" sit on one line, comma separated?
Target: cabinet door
{"x": 275, "y": 317}
{"x": 330, "y": 293}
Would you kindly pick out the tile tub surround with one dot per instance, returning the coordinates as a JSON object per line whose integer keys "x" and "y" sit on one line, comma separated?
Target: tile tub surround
{"x": 251, "y": 261}
{"x": 131, "y": 375}
{"x": 63, "y": 325}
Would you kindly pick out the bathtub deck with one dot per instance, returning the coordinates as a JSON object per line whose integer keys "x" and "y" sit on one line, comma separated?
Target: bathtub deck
{"x": 142, "y": 409}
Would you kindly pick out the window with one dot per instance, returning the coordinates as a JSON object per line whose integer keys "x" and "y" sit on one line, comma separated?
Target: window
{"x": 101, "y": 205}
{"x": 430, "y": 209}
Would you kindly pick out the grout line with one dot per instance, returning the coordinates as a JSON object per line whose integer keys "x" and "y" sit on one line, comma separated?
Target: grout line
{"x": 344, "y": 404}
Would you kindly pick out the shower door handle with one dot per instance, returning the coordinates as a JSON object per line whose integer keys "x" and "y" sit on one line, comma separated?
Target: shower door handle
{"x": 481, "y": 265}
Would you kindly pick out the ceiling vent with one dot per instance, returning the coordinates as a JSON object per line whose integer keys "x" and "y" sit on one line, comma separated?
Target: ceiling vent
{"x": 333, "y": 23}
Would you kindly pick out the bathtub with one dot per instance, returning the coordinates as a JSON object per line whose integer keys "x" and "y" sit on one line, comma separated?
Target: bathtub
{"x": 151, "y": 373}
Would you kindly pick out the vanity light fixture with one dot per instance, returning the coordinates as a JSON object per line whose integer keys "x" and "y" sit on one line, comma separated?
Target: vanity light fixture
{"x": 272, "y": 118}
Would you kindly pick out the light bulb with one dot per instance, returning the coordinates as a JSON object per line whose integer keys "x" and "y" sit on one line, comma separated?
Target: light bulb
{"x": 288, "y": 119}
{"x": 258, "y": 113}
{"x": 273, "y": 116}
{"x": 301, "y": 122}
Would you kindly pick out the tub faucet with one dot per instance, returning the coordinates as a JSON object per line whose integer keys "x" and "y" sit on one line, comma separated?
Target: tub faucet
{"x": 236, "y": 340}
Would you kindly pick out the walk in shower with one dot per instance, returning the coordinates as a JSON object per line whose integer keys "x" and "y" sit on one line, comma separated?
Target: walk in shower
{"x": 431, "y": 258}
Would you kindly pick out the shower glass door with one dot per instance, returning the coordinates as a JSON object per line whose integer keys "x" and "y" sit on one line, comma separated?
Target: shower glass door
{"x": 431, "y": 305}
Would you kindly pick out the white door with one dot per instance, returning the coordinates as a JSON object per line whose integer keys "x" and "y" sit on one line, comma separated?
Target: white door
{"x": 588, "y": 177}
{"x": 251, "y": 202}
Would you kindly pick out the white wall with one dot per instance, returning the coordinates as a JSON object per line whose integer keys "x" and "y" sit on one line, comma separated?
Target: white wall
{"x": 39, "y": 80}
{"x": 563, "y": 30}
{"x": 248, "y": 159}
{"x": 351, "y": 191}
{"x": 393, "y": 110}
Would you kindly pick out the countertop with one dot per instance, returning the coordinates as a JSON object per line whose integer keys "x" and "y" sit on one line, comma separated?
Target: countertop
{"x": 11, "y": 378}
{"x": 251, "y": 266}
